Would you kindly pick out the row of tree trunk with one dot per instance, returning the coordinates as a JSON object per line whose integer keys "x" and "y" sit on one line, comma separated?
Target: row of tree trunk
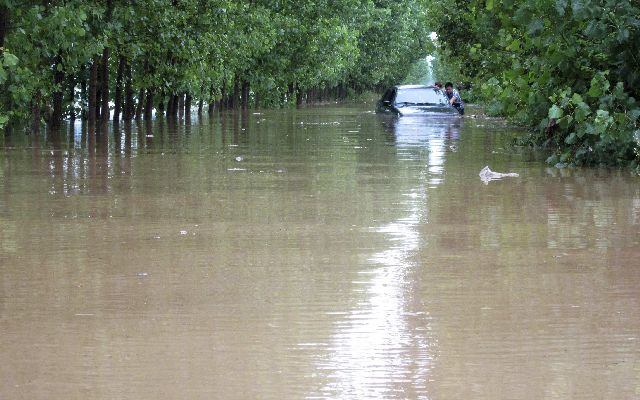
{"x": 95, "y": 96}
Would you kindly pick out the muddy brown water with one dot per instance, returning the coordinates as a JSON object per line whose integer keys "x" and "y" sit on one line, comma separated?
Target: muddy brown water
{"x": 323, "y": 253}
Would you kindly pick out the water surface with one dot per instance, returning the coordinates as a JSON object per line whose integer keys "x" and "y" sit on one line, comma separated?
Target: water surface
{"x": 320, "y": 253}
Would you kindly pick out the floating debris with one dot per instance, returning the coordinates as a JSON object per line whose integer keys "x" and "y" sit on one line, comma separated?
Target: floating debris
{"x": 486, "y": 175}
{"x": 239, "y": 158}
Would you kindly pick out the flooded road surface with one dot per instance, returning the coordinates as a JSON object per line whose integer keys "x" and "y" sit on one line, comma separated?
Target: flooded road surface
{"x": 325, "y": 253}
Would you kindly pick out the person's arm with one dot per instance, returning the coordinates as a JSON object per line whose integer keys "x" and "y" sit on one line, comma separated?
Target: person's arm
{"x": 456, "y": 98}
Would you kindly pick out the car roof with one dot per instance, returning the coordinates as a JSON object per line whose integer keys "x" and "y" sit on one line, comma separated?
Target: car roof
{"x": 415, "y": 87}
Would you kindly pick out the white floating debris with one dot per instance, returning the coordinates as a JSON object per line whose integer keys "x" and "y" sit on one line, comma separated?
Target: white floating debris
{"x": 183, "y": 232}
{"x": 486, "y": 175}
{"x": 239, "y": 158}
{"x": 143, "y": 274}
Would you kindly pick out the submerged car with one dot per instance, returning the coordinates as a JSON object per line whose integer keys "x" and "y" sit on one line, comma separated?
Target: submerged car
{"x": 415, "y": 99}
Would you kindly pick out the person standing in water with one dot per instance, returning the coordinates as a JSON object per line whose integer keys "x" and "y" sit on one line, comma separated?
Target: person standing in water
{"x": 454, "y": 97}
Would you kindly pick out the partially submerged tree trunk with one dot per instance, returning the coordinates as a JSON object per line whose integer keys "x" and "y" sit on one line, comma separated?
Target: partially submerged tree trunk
{"x": 170, "y": 106}
{"x": 187, "y": 104}
{"x": 93, "y": 87}
{"x": 298, "y": 96}
{"x": 104, "y": 90}
{"x": 181, "y": 106}
{"x": 104, "y": 75}
{"x": 235, "y": 100}
{"x": 118, "y": 95}
{"x": 148, "y": 109}
{"x": 245, "y": 94}
{"x": 35, "y": 113}
{"x": 98, "y": 103}
{"x": 58, "y": 96}
{"x": 224, "y": 100}
{"x": 72, "y": 97}
{"x": 128, "y": 94}
{"x": 140, "y": 104}
{"x": 160, "y": 109}
{"x": 83, "y": 93}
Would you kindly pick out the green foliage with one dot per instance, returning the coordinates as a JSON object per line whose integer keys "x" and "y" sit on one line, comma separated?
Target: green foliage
{"x": 205, "y": 47}
{"x": 420, "y": 73}
{"x": 573, "y": 62}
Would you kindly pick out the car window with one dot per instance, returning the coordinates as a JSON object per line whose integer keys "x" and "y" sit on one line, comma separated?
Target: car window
{"x": 421, "y": 95}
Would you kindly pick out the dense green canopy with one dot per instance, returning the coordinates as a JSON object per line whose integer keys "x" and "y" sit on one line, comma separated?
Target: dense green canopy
{"x": 569, "y": 68}
{"x": 144, "y": 55}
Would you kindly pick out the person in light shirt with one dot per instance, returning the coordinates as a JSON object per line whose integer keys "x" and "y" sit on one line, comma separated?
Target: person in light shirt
{"x": 454, "y": 97}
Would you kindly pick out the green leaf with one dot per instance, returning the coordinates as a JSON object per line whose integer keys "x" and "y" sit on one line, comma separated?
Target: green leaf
{"x": 561, "y": 6}
{"x": 582, "y": 111}
{"x": 489, "y": 5}
{"x": 555, "y": 112}
{"x": 536, "y": 26}
{"x": 10, "y": 60}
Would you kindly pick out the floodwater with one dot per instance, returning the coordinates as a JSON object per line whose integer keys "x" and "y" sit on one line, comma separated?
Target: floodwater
{"x": 321, "y": 253}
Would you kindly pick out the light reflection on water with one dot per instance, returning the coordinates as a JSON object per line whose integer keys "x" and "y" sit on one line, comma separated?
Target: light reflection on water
{"x": 384, "y": 348}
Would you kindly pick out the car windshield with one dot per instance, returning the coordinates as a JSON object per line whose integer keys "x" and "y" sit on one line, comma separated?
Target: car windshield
{"x": 418, "y": 96}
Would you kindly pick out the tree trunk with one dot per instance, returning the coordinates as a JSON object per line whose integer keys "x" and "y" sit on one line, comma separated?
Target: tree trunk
{"x": 160, "y": 108}
{"x": 98, "y": 104}
{"x": 200, "y": 107}
{"x": 187, "y": 104}
{"x": 72, "y": 98}
{"x": 140, "y": 104}
{"x": 245, "y": 95}
{"x": 104, "y": 73}
{"x": 181, "y": 106}
{"x": 148, "y": 109}
{"x": 104, "y": 91}
{"x": 298, "y": 96}
{"x": 128, "y": 94}
{"x": 224, "y": 100}
{"x": 58, "y": 96}
{"x": 118, "y": 94}
{"x": 235, "y": 101}
{"x": 170, "y": 106}
{"x": 4, "y": 26}
{"x": 187, "y": 108}
{"x": 93, "y": 87}
{"x": 176, "y": 105}
{"x": 83, "y": 93}
{"x": 35, "y": 114}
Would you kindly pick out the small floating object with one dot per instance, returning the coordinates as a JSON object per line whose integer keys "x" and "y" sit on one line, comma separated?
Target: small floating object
{"x": 239, "y": 158}
{"x": 183, "y": 232}
{"x": 487, "y": 175}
